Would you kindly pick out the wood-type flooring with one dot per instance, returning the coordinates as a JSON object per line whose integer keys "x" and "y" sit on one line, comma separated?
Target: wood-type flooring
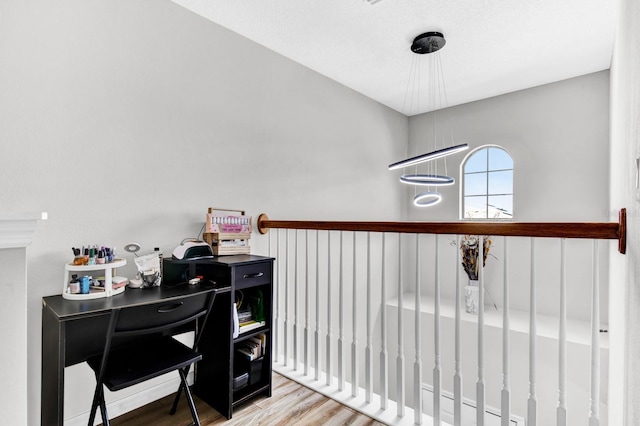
{"x": 290, "y": 404}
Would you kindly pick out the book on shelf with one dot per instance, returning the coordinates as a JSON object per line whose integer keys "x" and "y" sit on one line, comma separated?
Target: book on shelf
{"x": 256, "y": 344}
{"x": 246, "y": 353}
{"x": 250, "y": 325}
{"x": 259, "y": 342}
{"x": 252, "y": 348}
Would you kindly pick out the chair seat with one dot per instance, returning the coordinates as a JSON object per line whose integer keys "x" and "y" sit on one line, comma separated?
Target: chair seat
{"x": 138, "y": 347}
{"x": 145, "y": 360}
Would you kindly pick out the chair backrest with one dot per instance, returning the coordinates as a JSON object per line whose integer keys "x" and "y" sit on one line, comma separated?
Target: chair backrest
{"x": 161, "y": 317}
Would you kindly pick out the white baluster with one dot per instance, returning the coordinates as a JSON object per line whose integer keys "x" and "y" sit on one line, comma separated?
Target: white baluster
{"x": 276, "y": 293}
{"x": 417, "y": 363}
{"x": 457, "y": 377}
{"x": 328, "y": 357}
{"x": 480, "y": 396}
{"x": 354, "y": 341}
{"x": 317, "y": 332}
{"x": 286, "y": 300}
{"x": 532, "y": 402}
{"x": 305, "y": 351}
{"x": 384, "y": 362}
{"x": 562, "y": 343}
{"x": 369, "y": 348}
{"x": 341, "y": 354}
{"x": 437, "y": 373}
{"x": 506, "y": 387}
{"x": 594, "y": 397}
{"x": 295, "y": 304}
{"x": 400, "y": 359}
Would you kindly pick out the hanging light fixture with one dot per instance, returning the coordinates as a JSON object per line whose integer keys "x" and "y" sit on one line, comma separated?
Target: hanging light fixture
{"x": 428, "y": 156}
{"x": 427, "y": 180}
{"x": 427, "y": 198}
{"x": 427, "y": 43}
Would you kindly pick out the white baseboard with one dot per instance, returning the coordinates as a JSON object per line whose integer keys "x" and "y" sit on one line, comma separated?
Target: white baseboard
{"x": 492, "y": 417}
{"x": 124, "y": 405}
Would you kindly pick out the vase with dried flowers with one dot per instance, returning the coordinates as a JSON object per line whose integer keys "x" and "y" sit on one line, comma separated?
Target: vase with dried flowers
{"x": 469, "y": 250}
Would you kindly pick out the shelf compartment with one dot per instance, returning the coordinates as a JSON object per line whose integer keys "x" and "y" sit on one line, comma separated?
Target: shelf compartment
{"x": 248, "y": 392}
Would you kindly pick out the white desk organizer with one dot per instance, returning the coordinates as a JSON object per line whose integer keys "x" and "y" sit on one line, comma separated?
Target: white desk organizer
{"x": 83, "y": 269}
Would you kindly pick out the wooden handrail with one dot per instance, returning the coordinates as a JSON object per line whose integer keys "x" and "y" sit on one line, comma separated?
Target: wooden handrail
{"x": 589, "y": 230}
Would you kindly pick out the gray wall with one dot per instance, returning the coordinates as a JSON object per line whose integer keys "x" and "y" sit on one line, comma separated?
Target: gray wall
{"x": 126, "y": 120}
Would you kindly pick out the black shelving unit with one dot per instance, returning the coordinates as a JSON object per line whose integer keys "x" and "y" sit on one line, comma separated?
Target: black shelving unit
{"x": 251, "y": 276}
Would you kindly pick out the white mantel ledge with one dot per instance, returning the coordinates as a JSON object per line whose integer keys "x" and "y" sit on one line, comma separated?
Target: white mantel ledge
{"x": 16, "y": 229}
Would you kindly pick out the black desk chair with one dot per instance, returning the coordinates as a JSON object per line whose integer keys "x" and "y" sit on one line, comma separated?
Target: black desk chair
{"x": 144, "y": 348}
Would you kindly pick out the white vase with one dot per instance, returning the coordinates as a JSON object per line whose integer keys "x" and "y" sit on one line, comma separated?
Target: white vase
{"x": 471, "y": 297}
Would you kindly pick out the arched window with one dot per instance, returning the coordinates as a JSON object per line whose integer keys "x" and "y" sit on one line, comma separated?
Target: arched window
{"x": 487, "y": 184}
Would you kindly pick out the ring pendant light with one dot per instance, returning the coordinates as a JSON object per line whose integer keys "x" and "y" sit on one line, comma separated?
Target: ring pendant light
{"x": 425, "y": 43}
{"x": 427, "y": 180}
{"x": 427, "y": 198}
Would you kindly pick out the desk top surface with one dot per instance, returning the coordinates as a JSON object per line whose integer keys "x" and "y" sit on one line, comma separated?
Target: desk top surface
{"x": 234, "y": 260}
{"x": 65, "y": 309}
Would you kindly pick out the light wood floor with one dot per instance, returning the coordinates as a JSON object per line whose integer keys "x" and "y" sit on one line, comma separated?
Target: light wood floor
{"x": 290, "y": 404}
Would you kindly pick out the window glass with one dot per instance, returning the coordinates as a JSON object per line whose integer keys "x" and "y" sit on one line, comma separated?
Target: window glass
{"x": 477, "y": 162}
{"x": 475, "y": 184}
{"x": 500, "y": 207}
{"x": 499, "y": 159}
{"x": 500, "y": 182}
{"x": 476, "y": 207}
{"x": 487, "y": 184}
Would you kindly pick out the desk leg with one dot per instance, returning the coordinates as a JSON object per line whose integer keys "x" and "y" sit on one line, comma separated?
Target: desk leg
{"x": 52, "y": 393}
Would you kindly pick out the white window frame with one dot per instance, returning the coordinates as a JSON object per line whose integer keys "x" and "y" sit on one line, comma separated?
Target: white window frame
{"x": 462, "y": 183}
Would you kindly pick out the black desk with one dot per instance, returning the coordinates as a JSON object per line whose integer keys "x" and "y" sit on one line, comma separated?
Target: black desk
{"x": 73, "y": 330}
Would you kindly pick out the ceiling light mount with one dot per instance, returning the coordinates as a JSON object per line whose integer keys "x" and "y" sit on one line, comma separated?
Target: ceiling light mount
{"x": 429, "y": 42}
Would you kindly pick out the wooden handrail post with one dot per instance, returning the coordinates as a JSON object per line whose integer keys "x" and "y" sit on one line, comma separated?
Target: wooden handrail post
{"x": 622, "y": 231}
{"x": 261, "y": 219}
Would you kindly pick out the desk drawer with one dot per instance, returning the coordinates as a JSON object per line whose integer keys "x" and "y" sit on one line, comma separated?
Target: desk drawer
{"x": 161, "y": 313}
{"x": 253, "y": 274}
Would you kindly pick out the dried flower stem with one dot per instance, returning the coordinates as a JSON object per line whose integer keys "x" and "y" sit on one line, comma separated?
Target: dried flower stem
{"x": 469, "y": 247}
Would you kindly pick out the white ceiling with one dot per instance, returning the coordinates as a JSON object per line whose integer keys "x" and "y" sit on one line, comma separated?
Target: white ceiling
{"x": 493, "y": 46}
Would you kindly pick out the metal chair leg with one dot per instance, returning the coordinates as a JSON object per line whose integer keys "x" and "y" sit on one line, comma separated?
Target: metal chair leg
{"x": 174, "y": 407}
{"x": 176, "y": 400}
{"x": 103, "y": 409}
{"x": 94, "y": 404}
{"x": 187, "y": 392}
{"x": 98, "y": 401}
{"x": 92, "y": 416}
